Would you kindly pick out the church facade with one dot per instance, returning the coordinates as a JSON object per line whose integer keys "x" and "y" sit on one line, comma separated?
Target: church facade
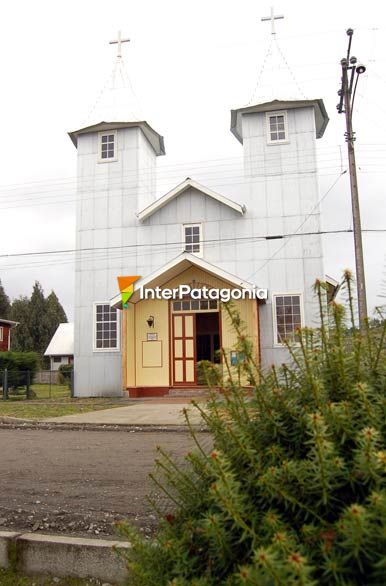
{"x": 263, "y": 235}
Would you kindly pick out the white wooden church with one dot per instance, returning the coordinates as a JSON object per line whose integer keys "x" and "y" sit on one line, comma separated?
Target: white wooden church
{"x": 196, "y": 236}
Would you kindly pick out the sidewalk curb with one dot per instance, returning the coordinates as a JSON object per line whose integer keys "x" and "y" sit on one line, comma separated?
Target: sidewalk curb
{"x": 9, "y": 419}
{"x": 13, "y": 423}
{"x": 56, "y": 555}
{"x": 7, "y": 539}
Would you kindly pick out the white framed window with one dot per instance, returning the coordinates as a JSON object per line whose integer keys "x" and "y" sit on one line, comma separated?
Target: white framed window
{"x": 192, "y": 238}
{"x": 1, "y": 334}
{"x": 287, "y": 316}
{"x": 107, "y": 146}
{"x": 277, "y": 127}
{"x": 106, "y": 328}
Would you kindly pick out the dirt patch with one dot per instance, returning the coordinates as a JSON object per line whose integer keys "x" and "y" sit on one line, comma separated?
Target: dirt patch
{"x": 80, "y": 482}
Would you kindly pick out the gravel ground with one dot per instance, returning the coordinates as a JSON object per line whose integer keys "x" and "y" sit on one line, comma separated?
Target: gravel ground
{"x": 79, "y": 482}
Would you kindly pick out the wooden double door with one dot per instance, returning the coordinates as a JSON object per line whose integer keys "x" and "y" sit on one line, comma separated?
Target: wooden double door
{"x": 184, "y": 349}
{"x": 195, "y": 337}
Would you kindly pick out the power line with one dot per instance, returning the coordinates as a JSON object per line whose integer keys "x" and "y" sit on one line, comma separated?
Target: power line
{"x": 62, "y": 195}
{"x": 141, "y": 188}
{"x": 165, "y": 170}
{"x": 168, "y": 171}
{"x": 119, "y": 256}
{"x": 168, "y": 176}
{"x": 163, "y": 173}
{"x": 211, "y": 172}
{"x": 166, "y": 245}
{"x": 300, "y": 226}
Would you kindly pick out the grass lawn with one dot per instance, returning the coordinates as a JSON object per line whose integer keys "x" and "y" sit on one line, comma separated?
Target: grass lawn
{"x": 51, "y": 401}
{"x": 9, "y": 578}
{"x": 51, "y": 391}
{"x": 41, "y": 391}
{"x": 54, "y": 407}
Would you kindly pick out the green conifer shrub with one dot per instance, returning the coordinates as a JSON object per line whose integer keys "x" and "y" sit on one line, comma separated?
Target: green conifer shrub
{"x": 19, "y": 361}
{"x": 293, "y": 491}
{"x": 21, "y": 367}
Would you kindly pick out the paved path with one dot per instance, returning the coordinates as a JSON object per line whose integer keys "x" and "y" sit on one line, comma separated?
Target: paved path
{"x": 146, "y": 413}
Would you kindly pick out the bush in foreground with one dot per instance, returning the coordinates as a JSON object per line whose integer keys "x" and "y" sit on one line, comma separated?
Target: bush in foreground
{"x": 293, "y": 491}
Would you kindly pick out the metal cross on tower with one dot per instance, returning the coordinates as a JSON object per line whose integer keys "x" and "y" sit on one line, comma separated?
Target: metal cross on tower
{"x": 272, "y": 18}
{"x": 119, "y": 42}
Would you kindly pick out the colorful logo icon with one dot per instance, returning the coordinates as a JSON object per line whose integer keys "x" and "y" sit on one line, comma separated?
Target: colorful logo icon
{"x": 126, "y": 286}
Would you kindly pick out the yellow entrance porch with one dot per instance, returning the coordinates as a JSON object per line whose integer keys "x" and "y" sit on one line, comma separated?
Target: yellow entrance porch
{"x": 163, "y": 340}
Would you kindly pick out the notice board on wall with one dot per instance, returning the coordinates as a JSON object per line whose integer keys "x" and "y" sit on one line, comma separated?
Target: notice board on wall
{"x": 152, "y": 354}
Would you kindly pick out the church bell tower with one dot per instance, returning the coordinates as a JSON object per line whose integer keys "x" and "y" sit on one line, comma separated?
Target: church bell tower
{"x": 116, "y": 176}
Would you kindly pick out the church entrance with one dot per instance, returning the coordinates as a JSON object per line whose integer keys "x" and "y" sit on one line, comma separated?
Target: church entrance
{"x": 195, "y": 337}
{"x": 208, "y": 336}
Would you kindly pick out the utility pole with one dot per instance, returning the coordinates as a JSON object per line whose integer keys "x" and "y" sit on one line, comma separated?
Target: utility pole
{"x": 347, "y": 97}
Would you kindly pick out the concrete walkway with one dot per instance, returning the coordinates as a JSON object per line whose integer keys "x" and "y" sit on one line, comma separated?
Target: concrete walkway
{"x": 146, "y": 413}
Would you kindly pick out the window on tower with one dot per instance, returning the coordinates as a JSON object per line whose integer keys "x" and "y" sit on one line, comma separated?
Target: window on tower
{"x": 107, "y": 146}
{"x": 192, "y": 238}
{"x": 106, "y": 328}
{"x": 277, "y": 129}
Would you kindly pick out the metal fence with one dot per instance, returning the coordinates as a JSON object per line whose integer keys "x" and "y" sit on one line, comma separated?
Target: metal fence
{"x": 45, "y": 384}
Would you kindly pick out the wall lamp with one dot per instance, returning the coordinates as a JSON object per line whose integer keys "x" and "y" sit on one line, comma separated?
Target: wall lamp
{"x": 150, "y": 321}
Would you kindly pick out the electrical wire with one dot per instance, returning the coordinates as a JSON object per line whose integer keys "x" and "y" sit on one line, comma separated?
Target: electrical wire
{"x": 163, "y": 170}
{"x": 100, "y": 254}
{"x": 166, "y": 170}
{"x": 300, "y": 226}
{"x": 139, "y": 190}
{"x": 210, "y": 171}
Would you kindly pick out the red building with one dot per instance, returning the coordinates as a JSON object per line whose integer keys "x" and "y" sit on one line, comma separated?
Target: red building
{"x": 6, "y": 326}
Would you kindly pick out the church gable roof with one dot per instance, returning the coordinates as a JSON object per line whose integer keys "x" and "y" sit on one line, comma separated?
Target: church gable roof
{"x": 175, "y": 267}
{"x": 179, "y": 190}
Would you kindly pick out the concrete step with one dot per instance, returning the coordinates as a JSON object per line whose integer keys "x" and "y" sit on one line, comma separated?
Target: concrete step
{"x": 184, "y": 392}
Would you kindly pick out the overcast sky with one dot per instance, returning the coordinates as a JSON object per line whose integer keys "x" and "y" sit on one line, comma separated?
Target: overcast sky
{"x": 189, "y": 63}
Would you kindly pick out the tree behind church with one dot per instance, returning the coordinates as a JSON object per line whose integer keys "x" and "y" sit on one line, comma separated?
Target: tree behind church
{"x": 5, "y": 305}
{"x": 39, "y": 325}
{"x": 38, "y": 319}
{"x": 21, "y": 340}
{"x": 55, "y": 313}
